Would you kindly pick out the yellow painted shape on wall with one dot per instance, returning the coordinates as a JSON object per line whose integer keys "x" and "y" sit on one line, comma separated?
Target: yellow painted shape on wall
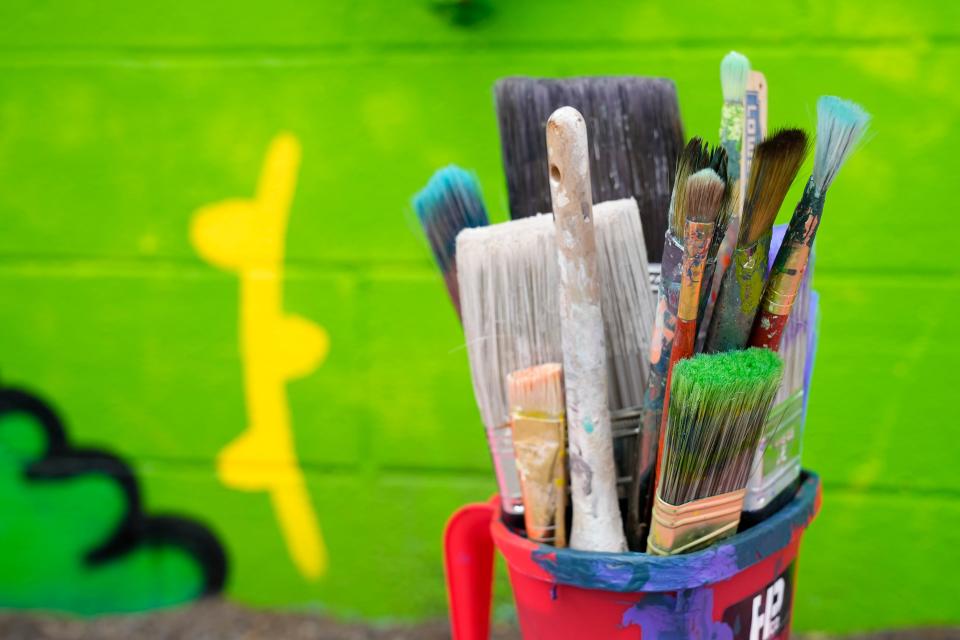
{"x": 247, "y": 236}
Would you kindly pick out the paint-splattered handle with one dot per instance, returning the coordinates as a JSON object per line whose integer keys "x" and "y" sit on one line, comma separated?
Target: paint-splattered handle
{"x": 768, "y": 330}
{"x": 597, "y": 525}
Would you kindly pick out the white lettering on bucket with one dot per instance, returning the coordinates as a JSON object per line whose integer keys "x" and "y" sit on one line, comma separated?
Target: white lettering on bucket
{"x": 766, "y": 623}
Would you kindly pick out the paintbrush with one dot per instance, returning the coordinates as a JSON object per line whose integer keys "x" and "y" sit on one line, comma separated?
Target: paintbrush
{"x": 509, "y": 297}
{"x": 734, "y": 75}
{"x": 754, "y": 131}
{"x": 840, "y": 127}
{"x": 775, "y": 165}
{"x": 704, "y": 199}
{"x": 776, "y": 469}
{"x": 449, "y": 203}
{"x": 635, "y": 132}
{"x": 696, "y": 156}
{"x": 539, "y": 440}
{"x": 596, "y": 515}
{"x": 718, "y": 405}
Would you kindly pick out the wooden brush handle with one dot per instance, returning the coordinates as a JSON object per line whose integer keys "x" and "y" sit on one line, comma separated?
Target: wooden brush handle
{"x": 596, "y": 513}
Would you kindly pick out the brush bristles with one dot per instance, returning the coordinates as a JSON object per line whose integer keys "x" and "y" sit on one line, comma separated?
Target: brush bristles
{"x": 840, "y": 127}
{"x": 697, "y": 155}
{"x": 449, "y": 203}
{"x": 509, "y": 298}
{"x": 775, "y": 165}
{"x": 705, "y": 192}
{"x": 537, "y": 390}
{"x": 734, "y": 71}
{"x": 718, "y": 406}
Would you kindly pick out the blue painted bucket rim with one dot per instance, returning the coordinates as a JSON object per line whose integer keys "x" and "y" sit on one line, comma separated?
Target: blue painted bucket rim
{"x": 634, "y": 572}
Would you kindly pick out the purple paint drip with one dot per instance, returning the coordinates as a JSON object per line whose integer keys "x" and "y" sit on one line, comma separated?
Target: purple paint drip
{"x": 688, "y": 614}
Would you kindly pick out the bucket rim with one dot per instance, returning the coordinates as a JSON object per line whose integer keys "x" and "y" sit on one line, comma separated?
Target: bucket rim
{"x": 636, "y": 572}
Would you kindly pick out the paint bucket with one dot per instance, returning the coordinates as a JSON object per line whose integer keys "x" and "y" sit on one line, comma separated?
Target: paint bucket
{"x": 740, "y": 588}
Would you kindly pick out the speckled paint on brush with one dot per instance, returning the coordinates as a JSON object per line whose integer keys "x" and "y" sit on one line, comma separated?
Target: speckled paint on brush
{"x": 739, "y": 298}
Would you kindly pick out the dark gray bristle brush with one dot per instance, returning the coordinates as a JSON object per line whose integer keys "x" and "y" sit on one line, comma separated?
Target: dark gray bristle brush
{"x": 635, "y": 134}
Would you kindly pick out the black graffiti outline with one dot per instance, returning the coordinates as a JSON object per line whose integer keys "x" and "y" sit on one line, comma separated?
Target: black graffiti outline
{"x": 61, "y": 460}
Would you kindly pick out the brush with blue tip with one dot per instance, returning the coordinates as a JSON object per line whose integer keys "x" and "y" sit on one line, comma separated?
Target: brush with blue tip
{"x": 840, "y": 127}
{"x": 449, "y": 203}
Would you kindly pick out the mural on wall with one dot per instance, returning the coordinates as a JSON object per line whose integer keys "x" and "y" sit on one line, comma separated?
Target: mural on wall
{"x": 81, "y": 541}
{"x": 247, "y": 236}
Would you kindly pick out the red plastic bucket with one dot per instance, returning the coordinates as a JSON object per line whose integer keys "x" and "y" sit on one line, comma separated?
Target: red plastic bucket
{"x": 741, "y": 588}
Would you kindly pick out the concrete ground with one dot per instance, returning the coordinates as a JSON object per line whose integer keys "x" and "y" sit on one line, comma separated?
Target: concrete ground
{"x": 216, "y": 620}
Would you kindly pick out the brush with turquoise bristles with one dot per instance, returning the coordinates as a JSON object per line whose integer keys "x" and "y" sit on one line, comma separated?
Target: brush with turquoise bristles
{"x": 449, "y": 203}
{"x": 840, "y": 127}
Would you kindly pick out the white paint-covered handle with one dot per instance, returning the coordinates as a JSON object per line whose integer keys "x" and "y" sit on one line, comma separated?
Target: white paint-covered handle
{"x": 596, "y": 514}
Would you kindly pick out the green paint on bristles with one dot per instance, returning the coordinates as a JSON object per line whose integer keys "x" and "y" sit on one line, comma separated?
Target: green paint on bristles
{"x": 718, "y": 406}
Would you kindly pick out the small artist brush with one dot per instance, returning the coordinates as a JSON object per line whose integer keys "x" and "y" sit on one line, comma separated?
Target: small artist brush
{"x": 540, "y": 440}
{"x": 597, "y": 525}
{"x": 718, "y": 406}
{"x": 449, "y": 203}
{"x": 636, "y": 135}
{"x": 775, "y": 165}
{"x": 734, "y": 75}
{"x": 696, "y": 156}
{"x": 704, "y": 199}
{"x": 840, "y": 127}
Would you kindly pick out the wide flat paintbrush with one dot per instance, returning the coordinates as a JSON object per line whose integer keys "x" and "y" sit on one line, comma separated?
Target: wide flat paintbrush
{"x": 449, "y": 203}
{"x": 775, "y": 165}
{"x": 635, "y": 132}
{"x": 718, "y": 406}
{"x": 840, "y": 126}
{"x": 596, "y": 515}
{"x": 509, "y": 284}
{"x": 540, "y": 441}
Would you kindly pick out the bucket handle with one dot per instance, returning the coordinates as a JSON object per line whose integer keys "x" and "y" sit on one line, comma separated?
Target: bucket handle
{"x": 468, "y": 564}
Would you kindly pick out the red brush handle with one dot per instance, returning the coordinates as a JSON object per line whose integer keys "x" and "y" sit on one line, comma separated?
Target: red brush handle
{"x": 684, "y": 340}
{"x": 768, "y": 330}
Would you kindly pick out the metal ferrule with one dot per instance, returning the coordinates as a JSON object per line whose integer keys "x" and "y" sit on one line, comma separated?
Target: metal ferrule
{"x": 785, "y": 282}
{"x": 694, "y": 525}
{"x": 505, "y": 468}
{"x": 626, "y": 434}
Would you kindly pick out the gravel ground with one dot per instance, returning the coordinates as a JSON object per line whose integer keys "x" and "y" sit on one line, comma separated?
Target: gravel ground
{"x": 216, "y": 620}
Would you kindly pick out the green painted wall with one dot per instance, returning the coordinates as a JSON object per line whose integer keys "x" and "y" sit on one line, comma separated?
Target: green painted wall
{"x": 118, "y": 121}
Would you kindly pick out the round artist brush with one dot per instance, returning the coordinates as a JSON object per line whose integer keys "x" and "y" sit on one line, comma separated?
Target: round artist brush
{"x": 775, "y": 165}
{"x": 704, "y": 198}
{"x": 734, "y": 72}
{"x": 840, "y": 126}
{"x": 718, "y": 406}
{"x": 449, "y": 203}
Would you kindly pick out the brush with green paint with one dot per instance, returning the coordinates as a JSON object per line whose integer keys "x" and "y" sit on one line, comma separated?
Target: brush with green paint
{"x": 718, "y": 406}
{"x": 775, "y": 165}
